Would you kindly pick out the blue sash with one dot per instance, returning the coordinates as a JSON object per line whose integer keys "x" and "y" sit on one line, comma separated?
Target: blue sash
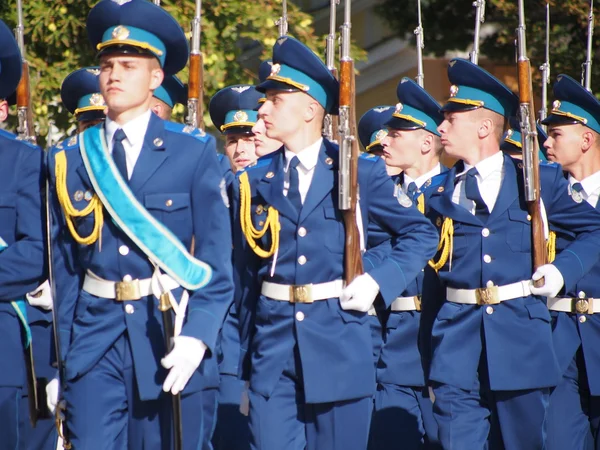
{"x": 156, "y": 241}
{"x": 20, "y": 307}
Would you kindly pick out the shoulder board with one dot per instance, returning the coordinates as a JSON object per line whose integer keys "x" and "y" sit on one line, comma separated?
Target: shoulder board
{"x": 263, "y": 161}
{"x": 13, "y": 137}
{"x": 69, "y": 143}
{"x": 438, "y": 180}
{"x": 186, "y": 129}
{"x": 368, "y": 157}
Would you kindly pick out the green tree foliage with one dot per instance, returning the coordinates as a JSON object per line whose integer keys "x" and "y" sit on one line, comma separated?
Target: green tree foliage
{"x": 236, "y": 35}
{"x": 449, "y": 25}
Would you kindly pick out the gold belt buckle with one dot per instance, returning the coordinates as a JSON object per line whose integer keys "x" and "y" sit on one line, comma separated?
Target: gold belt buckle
{"x": 487, "y": 296}
{"x": 127, "y": 290}
{"x": 417, "y": 300}
{"x": 301, "y": 293}
{"x": 584, "y": 306}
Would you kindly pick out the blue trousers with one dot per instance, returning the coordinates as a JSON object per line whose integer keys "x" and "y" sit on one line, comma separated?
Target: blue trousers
{"x": 574, "y": 414}
{"x": 232, "y": 431}
{"x": 286, "y": 421}
{"x": 484, "y": 419}
{"x": 403, "y": 414}
{"x": 104, "y": 410}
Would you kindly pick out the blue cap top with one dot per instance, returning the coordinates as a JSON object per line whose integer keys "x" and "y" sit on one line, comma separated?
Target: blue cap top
{"x": 140, "y": 27}
{"x": 233, "y": 109}
{"x": 297, "y": 68}
{"x": 264, "y": 70}
{"x": 371, "y": 126}
{"x": 10, "y": 62}
{"x": 171, "y": 91}
{"x": 80, "y": 93}
{"x": 573, "y": 104}
{"x": 511, "y": 139}
{"x": 473, "y": 87}
{"x": 416, "y": 110}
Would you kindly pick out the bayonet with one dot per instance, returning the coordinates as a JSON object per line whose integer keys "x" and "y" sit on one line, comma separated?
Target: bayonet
{"x": 420, "y": 46}
{"x": 586, "y": 76}
{"x": 479, "y": 6}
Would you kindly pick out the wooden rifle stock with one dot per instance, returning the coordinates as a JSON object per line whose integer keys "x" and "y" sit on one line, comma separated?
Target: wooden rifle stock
{"x": 25, "y": 114}
{"x": 533, "y": 205}
{"x": 195, "y": 87}
{"x": 353, "y": 265}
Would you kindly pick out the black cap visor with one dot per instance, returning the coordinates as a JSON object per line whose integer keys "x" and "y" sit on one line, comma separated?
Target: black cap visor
{"x": 458, "y": 107}
{"x": 269, "y": 85}
{"x": 245, "y": 129}
{"x": 397, "y": 123}
{"x": 555, "y": 119}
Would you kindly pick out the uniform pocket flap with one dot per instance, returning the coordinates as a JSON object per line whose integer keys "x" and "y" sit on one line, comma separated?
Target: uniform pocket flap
{"x": 167, "y": 202}
{"x": 518, "y": 215}
{"x": 8, "y": 200}
{"x": 538, "y": 311}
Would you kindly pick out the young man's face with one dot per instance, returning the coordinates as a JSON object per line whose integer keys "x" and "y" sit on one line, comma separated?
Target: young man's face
{"x": 127, "y": 81}
{"x": 262, "y": 143}
{"x": 283, "y": 113}
{"x": 402, "y": 148}
{"x": 564, "y": 144}
{"x": 239, "y": 148}
{"x": 459, "y": 132}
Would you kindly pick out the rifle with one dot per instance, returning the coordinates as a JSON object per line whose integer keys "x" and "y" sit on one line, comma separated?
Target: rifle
{"x": 156, "y": 2}
{"x": 61, "y": 424}
{"x": 545, "y": 69}
{"x": 24, "y": 113}
{"x": 194, "y": 116}
{"x": 282, "y": 22}
{"x": 586, "y": 76}
{"x": 531, "y": 166}
{"x": 348, "y": 171}
{"x": 164, "y": 306}
{"x": 420, "y": 46}
{"x": 330, "y": 123}
{"x": 479, "y": 6}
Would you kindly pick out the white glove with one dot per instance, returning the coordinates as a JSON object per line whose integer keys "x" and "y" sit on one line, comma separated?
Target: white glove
{"x": 553, "y": 281}
{"x": 360, "y": 294}
{"x": 183, "y": 360}
{"x": 41, "y": 296}
{"x": 245, "y": 400}
{"x": 52, "y": 391}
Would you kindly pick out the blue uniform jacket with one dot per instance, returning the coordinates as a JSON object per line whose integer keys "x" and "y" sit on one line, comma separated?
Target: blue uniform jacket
{"x": 22, "y": 264}
{"x": 516, "y": 333}
{"x": 335, "y": 346}
{"x": 401, "y": 357}
{"x": 568, "y": 332}
{"x": 177, "y": 178}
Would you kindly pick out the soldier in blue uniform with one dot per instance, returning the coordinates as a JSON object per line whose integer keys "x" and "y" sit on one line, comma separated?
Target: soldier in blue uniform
{"x": 372, "y": 130}
{"x": 128, "y": 199}
{"x": 574, "y": 142}
{"x": 403, "y": 409}
{"x": 233, "y": 112}
{"x": 170, "y": 93}
{"x": 80, "y": 93}
{"x": 493, "y": 361}
{"x": 511, "y": 140}
{"x": 306, "y": 343}
{"x": 25, "y": 320}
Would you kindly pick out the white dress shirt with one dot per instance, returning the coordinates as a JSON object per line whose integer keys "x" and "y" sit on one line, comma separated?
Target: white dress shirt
{"x": 591, "y": 188}
{"x": 489, "y": 180}
{"x": 420, "y": 181}
{"x": 135, "y": 130}
{"x": 306, "y": 169}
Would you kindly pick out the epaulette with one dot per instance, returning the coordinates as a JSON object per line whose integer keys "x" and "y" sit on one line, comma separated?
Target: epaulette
{"x": 260, "y": 162}
{"x": 13, "y": 137}
{"x": 186, "y": 129}
{"x": 437, "y": 180}
{"x": 69, "y": 144}
{"x": 369, "y": 157}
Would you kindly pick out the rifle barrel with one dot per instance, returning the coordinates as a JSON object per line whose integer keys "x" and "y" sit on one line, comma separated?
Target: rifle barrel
{"x": 587, "y": 65}
{"x": 420, "y": 46}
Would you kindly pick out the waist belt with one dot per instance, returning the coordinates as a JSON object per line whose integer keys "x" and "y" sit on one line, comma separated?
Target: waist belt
{"x": 123, "y": 291}
{"x": 406, "y": 304}
{"x": 302, "y": 293}
{"x": 489, "y": 295}
{"x": 574, "y": 305}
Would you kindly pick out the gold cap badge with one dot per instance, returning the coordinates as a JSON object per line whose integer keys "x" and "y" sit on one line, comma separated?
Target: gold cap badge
{"x": 399, "y": 107}
{"x": 556, "y": 105}
{"x": 381, "y": 134}
{"x": 453, "y": 91}
{"x": 240, "y": 116}
{"x": 97, "y": 100}
{"x": 120, "y": 33}
{"x": 275, "y": 68}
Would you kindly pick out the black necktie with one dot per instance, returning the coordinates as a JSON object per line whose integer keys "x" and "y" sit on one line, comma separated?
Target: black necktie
{"x": 118, "y": 153}
{"x": 577, "y": 187}
{"x": 294, "y": 189}
{"x": 411, "y": 189}
{"x": 472, "y": 193}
